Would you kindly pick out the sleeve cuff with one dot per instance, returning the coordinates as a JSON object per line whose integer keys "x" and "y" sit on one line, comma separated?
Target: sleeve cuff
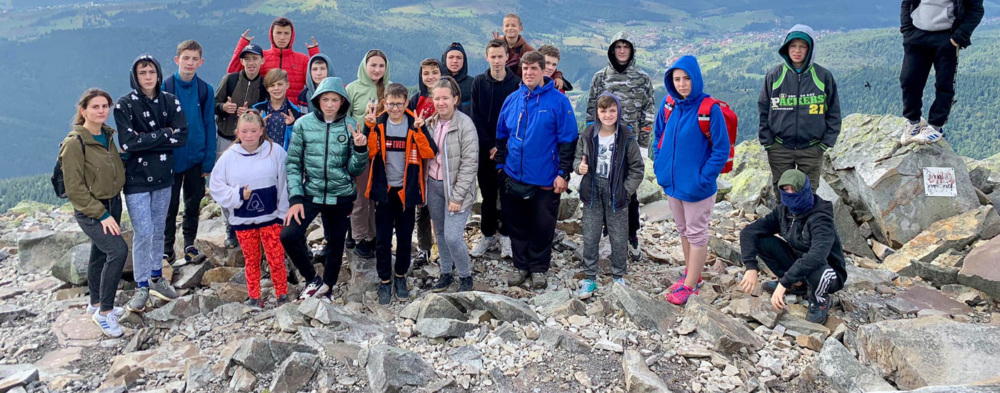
{"x": 295, "y": 200}
{"x": 104, "y": 216}
{"x": 361, "y": 149}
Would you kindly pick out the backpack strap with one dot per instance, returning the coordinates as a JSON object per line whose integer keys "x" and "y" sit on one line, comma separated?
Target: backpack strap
{"x": 203, "y": 94}
{"x": 168, "y": 84}
{"x": 231, "y": 82}
{"x": 83, "y": 146}
{"x": 668, "y": 108}
{"x": 705, "y": 117}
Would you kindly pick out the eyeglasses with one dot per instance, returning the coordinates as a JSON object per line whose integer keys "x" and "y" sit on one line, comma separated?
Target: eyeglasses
{"x": 395, "y": 105}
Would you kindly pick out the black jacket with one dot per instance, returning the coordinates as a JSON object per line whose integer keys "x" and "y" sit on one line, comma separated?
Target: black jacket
{"x": 488, "y": 95}
{"x": 149, "y": 129}
{"x": 812, "y": 236}
{"x": 627, "y": 167}
{"x": 968, "y": 14}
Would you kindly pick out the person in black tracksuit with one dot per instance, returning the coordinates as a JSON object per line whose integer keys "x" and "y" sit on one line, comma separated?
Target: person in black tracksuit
{"x": 933, "y": 33}
{"x": 489, "y": 90}
{"x": 808, "y": 251}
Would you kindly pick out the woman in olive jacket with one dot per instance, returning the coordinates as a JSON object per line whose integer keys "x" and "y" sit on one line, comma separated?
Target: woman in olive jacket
{"x": 94, "y": 175}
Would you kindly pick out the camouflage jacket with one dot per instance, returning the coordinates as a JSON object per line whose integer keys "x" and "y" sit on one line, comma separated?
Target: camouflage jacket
{"x": 632, "y": 86}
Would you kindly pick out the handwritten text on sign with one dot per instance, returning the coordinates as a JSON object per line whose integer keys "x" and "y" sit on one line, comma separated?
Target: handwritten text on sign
{"x": 940, "y": 182}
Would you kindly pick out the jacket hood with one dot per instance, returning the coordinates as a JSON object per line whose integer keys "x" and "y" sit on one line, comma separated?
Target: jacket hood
{"x": 688, "y": 64}
{"x": 134, "y": 81}
{"x": 420, "y": 80}
{"x": 802, "y": 32}
{"x": 625, "y": 37}
{"x": 363, "y": 78}
{"x": 618, "y": 104}
{"x": 335, "y": 85}
{"x": 464, "y": 72}
{"x": 310, "y": 86}
{"x": 264, "y": 149}
{"x": 270, "y": 35}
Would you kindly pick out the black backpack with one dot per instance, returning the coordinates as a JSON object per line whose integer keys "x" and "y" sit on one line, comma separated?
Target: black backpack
{"x": 58, "y": 185}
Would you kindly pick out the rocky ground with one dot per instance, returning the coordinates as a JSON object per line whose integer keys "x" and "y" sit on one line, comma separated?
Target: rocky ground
{"x": 919, "y": 312}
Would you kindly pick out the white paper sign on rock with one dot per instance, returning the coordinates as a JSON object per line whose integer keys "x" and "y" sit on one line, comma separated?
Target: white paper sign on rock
{"x": 940, "y": 182}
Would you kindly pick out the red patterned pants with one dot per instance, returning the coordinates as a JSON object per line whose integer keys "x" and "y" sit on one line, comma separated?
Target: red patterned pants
{"x": 250, "y": 241}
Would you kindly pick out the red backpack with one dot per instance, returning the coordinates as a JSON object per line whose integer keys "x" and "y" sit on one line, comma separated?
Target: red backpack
{"x": 704, "y": 120}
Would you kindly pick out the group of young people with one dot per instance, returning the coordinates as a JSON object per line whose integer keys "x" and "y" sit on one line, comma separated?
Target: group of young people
{"x": 292, "y": 142}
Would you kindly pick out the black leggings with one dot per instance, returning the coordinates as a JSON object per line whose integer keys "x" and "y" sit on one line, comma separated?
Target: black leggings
{"x": 107, "y": 255}
{"x": 336, "y": 222}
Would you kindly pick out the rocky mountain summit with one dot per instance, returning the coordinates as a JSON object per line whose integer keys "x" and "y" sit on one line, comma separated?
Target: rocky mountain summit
{"x": 919, "y": 312}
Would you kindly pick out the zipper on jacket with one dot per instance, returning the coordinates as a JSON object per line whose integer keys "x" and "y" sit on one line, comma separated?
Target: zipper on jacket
{"x": 326, "y": 155}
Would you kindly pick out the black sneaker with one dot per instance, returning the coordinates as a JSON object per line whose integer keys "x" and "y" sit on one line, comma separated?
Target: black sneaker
{"x": 232, "y": 243}
{"x": 422, "y": 258}
{"x": 311, "y": 288}
{"x": 192, "y": 255}
{"x": 282, "y": 299}
{"x": 319, "y": 256}
{"x": 818, "y": 311}
{"x": 384, "y": 293}
{"x": 365, "y": 249}
{"x": 349, "y": 244}
{"x": 465, "y": 284}
{"x": 259, "y": 303}
{"x": 770, "y": 286}
{"x": 402, "y": 291}
{"x": 443, "y": 282}
{"x": 634, "y": 253}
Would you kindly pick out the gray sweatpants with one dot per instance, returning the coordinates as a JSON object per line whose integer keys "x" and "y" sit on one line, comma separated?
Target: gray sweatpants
{"x": 596, "y": 214}
{"x": 148, "y": 212}
{"x": 449, "y": 228}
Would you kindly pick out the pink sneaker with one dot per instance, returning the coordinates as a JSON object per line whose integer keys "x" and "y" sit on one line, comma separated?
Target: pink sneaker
{"x": 681, "y": 282}
{"x": 681, "y": 295}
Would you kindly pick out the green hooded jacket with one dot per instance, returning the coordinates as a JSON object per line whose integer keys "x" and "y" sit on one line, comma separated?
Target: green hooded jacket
{"x": 322, "y": 158}
{"x": 363, "y": 89}
{"x": 91, "y": 175}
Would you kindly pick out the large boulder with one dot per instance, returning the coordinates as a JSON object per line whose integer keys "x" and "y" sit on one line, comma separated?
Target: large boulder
{"x": 848, "y": 230}
{"x": 392, "y": 369}
{"x": 262, "y": 356}
{"x": 444, "y": 328}
{"x": 638, "y": 378}
{"x": 501, "y": 307}
{"x": 887, "y": 180}
{"x": 72, "y": 267}
{"x": 183, "y": 308}
{"x": 211, "y": 241}
{"x": 953, "y": 233}
{"x": 845, "y": 372}
{"x": 295, "y": 373}
{"x": 915, "y": 353}
{"x": 648, "y": 313}
{"x": 751, "y": 176}
{"x": 38, "y": 251}
{"x": 726, "y": 333}
{"x": 981, "y": 269}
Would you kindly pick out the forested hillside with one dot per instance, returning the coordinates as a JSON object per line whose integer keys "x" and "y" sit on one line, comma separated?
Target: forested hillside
{"x": 33, "y": 188}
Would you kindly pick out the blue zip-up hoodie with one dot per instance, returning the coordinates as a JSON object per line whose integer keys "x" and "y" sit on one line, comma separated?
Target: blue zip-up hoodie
{"x": 536, "y": 135}
{"x": 279, "y": 132}
{"x": 688, "y": 164}
{"x": 201, "y": 131}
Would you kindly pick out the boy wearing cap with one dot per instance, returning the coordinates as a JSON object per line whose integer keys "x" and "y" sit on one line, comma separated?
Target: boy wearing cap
{"x": 236, "y": 94}
{"x": 807, "y": 258}
{"x": 799, "y": 109}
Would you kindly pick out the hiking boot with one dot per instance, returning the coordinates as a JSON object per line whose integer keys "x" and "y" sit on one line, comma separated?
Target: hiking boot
{"x": 118, "y": 311}
{"x": 422, "y": 258}
{"x": 518, "y": 277}
{"x": 770, "y": 286}
{"x": 365, "y": 249}
{"x": 402, "y": 291}
{"x": 138, "y": 302}
{"x": 634, "y": 253}
{"x": 818, "y": 311}
{"x": 621, "y": 281}
{"x": 384, "y": 293}
{"x": 192, "y": 255}
{"x": 282, "y": 299}
{"x": 928, "y": 135}
{"x": 486, "y": 244}
{"x": 160, "y": 288}
{"x": 505, "y": 250}
{"x": 587, "y": 289}
{"x": 465, "y": 284}
{"x": 312, "y": 287}
{"x": 259, "y": 303}
{"x": 443, "y": 282}
{"x": 108, "y": 324}
{"x": 539, "y": 281}
{"x": 681, "y": 282}
{"x": 911, "y": 130}
{"x": 680, "y": 295}
{"x": 349, "y": 244}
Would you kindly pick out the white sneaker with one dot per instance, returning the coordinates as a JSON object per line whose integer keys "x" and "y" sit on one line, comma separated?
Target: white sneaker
{"x": 108, "y": 324}
{"x": 505, "y": 251}
{"x": 910, "y": 131}
{"x": 486, "y": 244}
{"x": 929, "y": 134}
{"x": 118, "y": 311}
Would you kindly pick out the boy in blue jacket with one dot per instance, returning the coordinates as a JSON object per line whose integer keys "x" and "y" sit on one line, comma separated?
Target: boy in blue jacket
{"x": 278, "y": 111}
{"x": 536, "y": 144}
{"x": 195, "y": 160}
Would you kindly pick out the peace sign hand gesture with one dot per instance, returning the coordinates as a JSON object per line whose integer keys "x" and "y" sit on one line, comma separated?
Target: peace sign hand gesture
{"x": 313, "y": 45}
{"x": 419, "y": 120}
{"x": 289, "y": 118}
{"x": 496, "y": 35}
{"x": 359, "y": 137}
{"x": 370, "y": 112}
